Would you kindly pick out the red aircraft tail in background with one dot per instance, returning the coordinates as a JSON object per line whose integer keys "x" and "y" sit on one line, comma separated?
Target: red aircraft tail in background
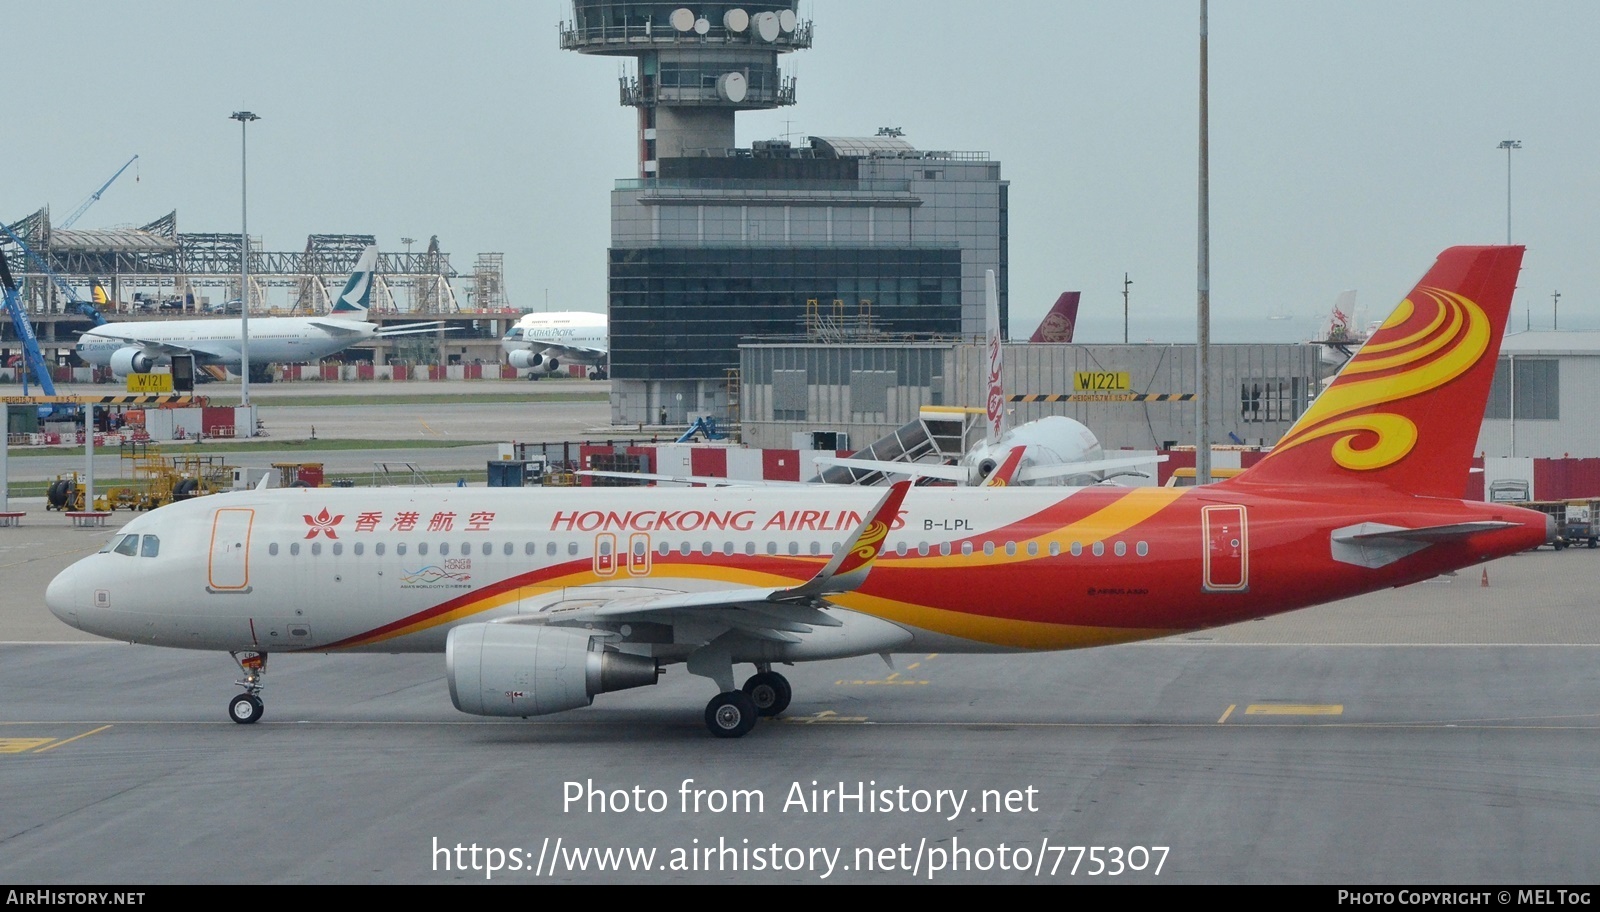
{"x": 1058, "y": 324}
{"x": 1405, "y": 411}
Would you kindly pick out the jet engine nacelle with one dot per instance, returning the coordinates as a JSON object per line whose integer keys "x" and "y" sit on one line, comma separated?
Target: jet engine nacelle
{"x": 527, "y": 359}
{"x": 526, "y": 670}
{"x": 131, "y": 360}
{"x": 522, "y": 359}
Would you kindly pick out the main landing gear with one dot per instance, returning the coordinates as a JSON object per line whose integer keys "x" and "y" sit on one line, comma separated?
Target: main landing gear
{"x": 247, "y": 707}
{"x": 733, "y": 713}
{"x": 769, "y": 691}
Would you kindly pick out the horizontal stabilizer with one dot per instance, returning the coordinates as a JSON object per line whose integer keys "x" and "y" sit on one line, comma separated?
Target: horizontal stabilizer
{"x": 413, "y": 328}
{"x": 1379, "y": 544}
{"x": 1428, "y": 534}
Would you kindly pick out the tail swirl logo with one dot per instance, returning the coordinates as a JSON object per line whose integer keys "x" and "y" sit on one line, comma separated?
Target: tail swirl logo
{"x": 1423, "y": 345}
{"x": 866, "y": 547}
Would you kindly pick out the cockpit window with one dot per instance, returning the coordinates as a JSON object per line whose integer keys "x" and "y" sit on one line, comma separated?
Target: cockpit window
{"x": 150, "y": 547}
{"x": 129, "y": 545}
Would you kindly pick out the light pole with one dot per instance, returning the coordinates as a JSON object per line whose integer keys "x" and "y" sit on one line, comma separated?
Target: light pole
{"x": 1202, "y": 443}
{"x": 411, "y": 302}
{"x": 244, "y": 118}
{"x": 1125, "y": 283}
{"x": 1555, "y": 310}
{"x": 1508, "y": 145}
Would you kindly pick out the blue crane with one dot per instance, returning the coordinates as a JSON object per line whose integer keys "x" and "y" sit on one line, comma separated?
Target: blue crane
{"x": 73, "y": 301}
{"x": 84, "y": 207}
{"x": 30, "y": 342}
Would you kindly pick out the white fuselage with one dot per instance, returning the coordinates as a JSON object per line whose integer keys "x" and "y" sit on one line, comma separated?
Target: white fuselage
{"x": 1050, "y": 441}
{"x": 577, "y": 336}
{"x": 273, "y": 340}
{"x": 392, "y": 570}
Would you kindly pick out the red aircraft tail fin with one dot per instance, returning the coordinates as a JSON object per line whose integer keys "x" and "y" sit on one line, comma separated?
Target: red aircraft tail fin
{"x": 1057, "y": 325}
{"x": 1405, "y": 412}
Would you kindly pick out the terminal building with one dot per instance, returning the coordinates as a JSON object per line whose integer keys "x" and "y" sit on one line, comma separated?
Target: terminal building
{"x": 1539, "y": 404}
{"x": 1141, "y": 396}
{"x": 712, "y": 244}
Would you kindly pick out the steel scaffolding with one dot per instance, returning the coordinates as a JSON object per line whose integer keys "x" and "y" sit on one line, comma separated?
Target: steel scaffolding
{"x": 175, "y": 266}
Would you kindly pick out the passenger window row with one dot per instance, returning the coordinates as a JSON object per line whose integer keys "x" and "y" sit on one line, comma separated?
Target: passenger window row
{"x": 130, "y": 543}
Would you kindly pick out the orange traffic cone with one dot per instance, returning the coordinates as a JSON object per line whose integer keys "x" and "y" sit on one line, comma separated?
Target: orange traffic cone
{"x": 1485, "y": 582}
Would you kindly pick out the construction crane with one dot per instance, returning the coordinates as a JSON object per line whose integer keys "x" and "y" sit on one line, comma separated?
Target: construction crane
{"x": 30, "y": 342}
{"x": 73, "y": 301}
{"x": 84, "y": 207}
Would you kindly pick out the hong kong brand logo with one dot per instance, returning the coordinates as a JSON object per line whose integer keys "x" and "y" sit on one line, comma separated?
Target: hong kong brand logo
{"x": 322, "y": 524}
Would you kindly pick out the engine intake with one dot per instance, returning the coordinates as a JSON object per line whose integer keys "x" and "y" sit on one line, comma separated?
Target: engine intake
{"x": 131, "y": 360}
{"x": 525, "y": 670}
{"x": 522, "y": 359}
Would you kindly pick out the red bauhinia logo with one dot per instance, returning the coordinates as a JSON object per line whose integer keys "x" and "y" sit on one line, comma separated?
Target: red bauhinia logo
{"x": 322, "y": 523}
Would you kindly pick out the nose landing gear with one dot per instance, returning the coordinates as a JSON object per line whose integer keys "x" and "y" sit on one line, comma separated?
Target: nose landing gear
{"x": 247, "y": 708}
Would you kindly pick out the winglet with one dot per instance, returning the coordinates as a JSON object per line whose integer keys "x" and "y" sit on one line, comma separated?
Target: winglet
{"x": 1007, "y": 471}
{"x": 850, "y": 566}
{"x": 356, "y": 298}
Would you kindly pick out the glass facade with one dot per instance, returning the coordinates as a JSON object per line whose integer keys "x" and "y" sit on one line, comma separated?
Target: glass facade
{"x": 679, "y": 313}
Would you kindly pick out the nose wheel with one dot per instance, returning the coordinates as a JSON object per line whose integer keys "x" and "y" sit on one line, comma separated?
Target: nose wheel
{"x": 247, "y": 708}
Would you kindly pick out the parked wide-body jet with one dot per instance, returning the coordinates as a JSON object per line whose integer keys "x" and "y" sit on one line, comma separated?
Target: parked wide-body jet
{"x": 138, "y": 348}
{"x": 543, "y": 598}
{"x": 543, "y": 342}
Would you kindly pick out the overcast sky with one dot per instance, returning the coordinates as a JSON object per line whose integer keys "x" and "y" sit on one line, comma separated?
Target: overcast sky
{"x": 1350, "y": 141}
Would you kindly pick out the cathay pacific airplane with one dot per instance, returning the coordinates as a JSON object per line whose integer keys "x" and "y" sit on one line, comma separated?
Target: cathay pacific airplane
{"x": 138, "y": 348}
{"x": 542, "y": 342}
{"x": 541, "y": 598}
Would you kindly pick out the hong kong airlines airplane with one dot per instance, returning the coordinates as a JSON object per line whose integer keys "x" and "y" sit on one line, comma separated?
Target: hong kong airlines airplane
{"x": 543, "y": 598}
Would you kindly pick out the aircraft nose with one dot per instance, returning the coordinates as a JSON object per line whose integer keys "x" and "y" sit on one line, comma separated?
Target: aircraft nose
{"x": 62, "y": 596}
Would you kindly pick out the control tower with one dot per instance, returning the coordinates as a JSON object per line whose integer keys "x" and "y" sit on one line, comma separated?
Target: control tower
{"x": 696, "y": 66}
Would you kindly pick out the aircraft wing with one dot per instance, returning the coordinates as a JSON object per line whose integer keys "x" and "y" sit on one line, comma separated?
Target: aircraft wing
{"x": 339, "y": 327}
{"x": 707, "y": 481}
{"x": 564, "y": 350}
{"x": 1034, "y": 473}
{"x": 772, "y": 612}
{"x": 960, "y": 474}
{"x": 204, "y": 352}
